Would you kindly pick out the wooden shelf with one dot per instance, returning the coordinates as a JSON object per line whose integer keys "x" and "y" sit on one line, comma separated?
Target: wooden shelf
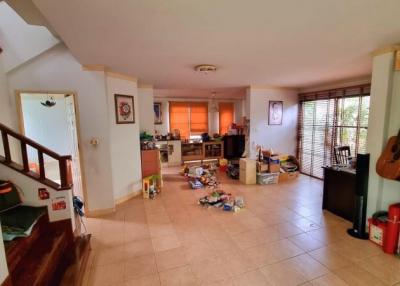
{"x": 202, "y": 151}
{"x": 213, "y": 150}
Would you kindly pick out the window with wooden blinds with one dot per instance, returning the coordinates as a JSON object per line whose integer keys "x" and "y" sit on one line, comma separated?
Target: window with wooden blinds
{"x": 226, "y": 111}
{"x": 331, "y": 118}
{"x": 179, "y": 118}
{"x": 198, "y": 117}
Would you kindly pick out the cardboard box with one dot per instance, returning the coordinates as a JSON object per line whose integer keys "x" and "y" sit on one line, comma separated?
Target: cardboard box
{"x": 283, "y": 177}
{"x": 267, "y": 178}
{"x": 274, "y": 167}
{"x": 261, "y": 168}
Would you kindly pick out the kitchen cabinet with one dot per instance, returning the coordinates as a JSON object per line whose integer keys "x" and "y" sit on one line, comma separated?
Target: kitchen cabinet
{"x": 170, "y": 152}
{"x": 213, "y": 150}
{"x": 151, "y": 164}
{"x": 192, "y": 151}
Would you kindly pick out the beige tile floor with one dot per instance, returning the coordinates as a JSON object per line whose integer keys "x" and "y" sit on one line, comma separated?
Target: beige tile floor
{"x": 282, "y": 237}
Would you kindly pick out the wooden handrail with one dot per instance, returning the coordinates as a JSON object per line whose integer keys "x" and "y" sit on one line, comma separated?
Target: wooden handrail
{"x": 30, "y": 142}
{"x": 63, "y": 160}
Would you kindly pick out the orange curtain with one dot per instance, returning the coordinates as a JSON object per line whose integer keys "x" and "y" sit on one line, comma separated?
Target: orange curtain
{"x": 225, "y": 116}
{"x": 198, "y": 117}
{"x": 179, "y": 118}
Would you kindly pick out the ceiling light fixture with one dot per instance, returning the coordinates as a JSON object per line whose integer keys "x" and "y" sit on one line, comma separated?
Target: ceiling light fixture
{"x": 50, "y": 102}
{"x": 213, "y": 103}
{"x": 205, "y": 69}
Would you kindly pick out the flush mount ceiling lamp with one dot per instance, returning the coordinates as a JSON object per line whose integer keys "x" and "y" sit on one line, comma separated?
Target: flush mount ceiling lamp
{"x": 205, "y": 69}
{"x": 50, "y": 102}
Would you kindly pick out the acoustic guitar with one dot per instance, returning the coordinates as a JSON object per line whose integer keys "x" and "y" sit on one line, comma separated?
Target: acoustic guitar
{"x": 388, "y": 165}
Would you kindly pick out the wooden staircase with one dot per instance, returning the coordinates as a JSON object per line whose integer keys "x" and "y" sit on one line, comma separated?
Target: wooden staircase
{"x": 41, "y": 258}
{"x": 51, "y": 251}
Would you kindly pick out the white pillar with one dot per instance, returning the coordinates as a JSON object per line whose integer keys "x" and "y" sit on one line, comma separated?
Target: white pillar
{"x": 384, "y": 121}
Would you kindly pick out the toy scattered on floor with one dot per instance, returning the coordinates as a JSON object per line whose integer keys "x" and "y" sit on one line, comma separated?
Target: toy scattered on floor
{"x": 201, "y": 176}
{"x": 239, "y": 201}
{"x": 195, "y": 171}
{"x": 209, "y": 180}
{"x": 196, "y": 184}
{"x": 185, "y": 170}
{"x": 150, "y": 188}
{"x": 233, "y": 171}
{"x": 223, "y": 200}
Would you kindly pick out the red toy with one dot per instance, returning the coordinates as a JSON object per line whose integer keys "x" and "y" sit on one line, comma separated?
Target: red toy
{"x": 392, "y": 232}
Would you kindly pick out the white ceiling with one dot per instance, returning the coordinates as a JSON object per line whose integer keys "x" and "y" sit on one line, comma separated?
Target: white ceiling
{"x": 214, "y": 93}
{"x": 287, "y": 43}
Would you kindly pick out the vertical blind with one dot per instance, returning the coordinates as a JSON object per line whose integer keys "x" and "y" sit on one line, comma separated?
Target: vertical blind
{"x": 331, "y": 118}
{"x": 190, "y": 118}
{"x": 225, "y": 116}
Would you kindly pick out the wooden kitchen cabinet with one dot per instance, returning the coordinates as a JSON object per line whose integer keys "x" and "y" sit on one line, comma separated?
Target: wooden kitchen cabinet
{"x": 213, "y": 150}
{"x": 192, "y": 151}
{"x": 151, "y": 164}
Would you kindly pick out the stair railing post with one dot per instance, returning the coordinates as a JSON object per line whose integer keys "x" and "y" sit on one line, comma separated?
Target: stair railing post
{"x": 63, "y": 166}
{"x": 6, "y": 146}
{"x": 42, "y": 173}
{"x": 24, "y": 153}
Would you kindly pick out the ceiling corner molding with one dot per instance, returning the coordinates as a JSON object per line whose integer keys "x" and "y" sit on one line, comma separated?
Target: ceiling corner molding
{"x": 94, "y": 68}
{"x": 145, "y": 85}
{"x": 273, "y": 87}
{"x": 121, "y": 76}
{"x": 108, "y": 72}
{"x": 385, "y": 50}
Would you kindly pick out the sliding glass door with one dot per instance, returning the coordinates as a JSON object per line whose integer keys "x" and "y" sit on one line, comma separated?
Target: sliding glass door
{"x": 329, "y": 119}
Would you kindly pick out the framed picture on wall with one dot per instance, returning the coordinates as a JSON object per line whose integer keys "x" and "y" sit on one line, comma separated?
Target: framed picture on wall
{"x": 157, "y": 113}
{"x": 275, "y": 112}
{"x": 124, "y": 109}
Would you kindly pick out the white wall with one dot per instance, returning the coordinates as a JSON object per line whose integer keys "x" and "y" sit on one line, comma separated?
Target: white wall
{"x": 57, "y": 70}
{"x": 46, "y": 125}
{"x": 5, "y": 106}
{"x": 213, "y": 117}
{"x": 19, "y": 40}
{"x": 146, "y": 111}
{"x": 164, "y": 127}
{"x": 29, "y": 189}
{"x": 384, "y": 122}
{"x": 281, "y": 138}
{"x": 124, "y": 142}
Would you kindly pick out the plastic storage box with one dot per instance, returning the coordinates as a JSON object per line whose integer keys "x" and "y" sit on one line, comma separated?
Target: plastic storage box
{"x": 267, "y": 178}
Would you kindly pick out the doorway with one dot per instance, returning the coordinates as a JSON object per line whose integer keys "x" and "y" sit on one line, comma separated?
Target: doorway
{"x": 51, "y": 120}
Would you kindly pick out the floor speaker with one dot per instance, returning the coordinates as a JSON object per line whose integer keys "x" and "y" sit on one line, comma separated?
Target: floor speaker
{"x": 360, "y": 199}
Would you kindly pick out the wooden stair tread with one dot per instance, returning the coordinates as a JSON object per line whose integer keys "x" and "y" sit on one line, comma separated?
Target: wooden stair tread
{"x": 40, "y": 259}
{"x": 75, "y": 272}
{"x": 19, "y": 247}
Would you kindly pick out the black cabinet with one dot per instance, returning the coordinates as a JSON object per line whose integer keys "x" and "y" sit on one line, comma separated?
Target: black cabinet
{"x": 234, "y": 146}
{"x": 339, "y": 192}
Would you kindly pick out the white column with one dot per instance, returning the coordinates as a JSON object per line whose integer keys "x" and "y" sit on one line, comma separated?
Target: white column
{"x": 384, "y": 121}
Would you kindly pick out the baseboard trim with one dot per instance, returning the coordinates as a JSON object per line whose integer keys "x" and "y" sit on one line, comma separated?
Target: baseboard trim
{"x": 100, "y": 212}
{"x": 128, "y": 197}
